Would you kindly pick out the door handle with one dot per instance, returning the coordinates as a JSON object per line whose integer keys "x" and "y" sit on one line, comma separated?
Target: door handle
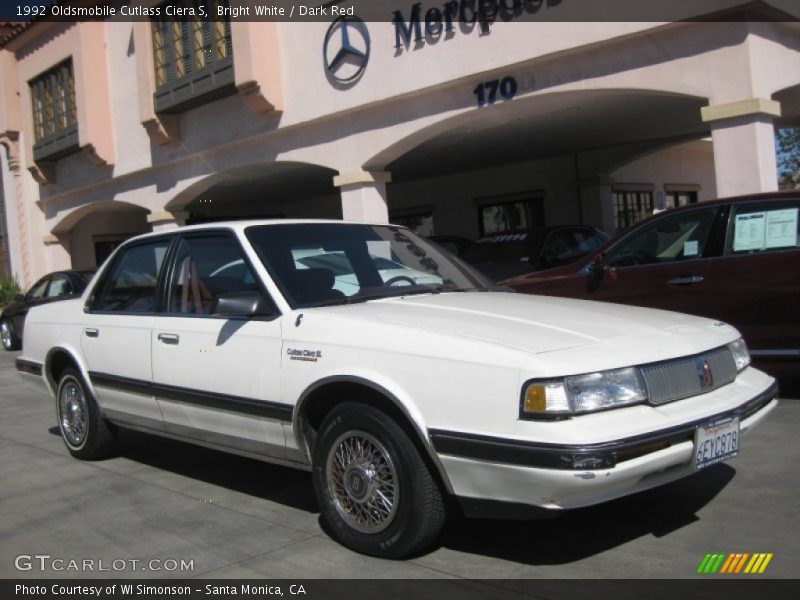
{"x": 169, "y": 338}
{"x": 686, "y": 279}
{"x": 91, "y": 332}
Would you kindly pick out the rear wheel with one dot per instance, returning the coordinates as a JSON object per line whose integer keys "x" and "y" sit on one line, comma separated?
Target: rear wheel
{"x": 376, "y": 493}
{"x": 86, "y": 433}
{"x": 9, "y": 338}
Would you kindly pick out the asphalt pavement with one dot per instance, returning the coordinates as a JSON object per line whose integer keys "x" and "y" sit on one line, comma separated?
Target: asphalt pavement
{"x": 159, "y": 508}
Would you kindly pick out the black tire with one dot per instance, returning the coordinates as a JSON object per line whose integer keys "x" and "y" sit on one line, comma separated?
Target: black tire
{"x": 410, "y": 514}
{"x": 85, "y": 432}
{"x": 10, "y": 339}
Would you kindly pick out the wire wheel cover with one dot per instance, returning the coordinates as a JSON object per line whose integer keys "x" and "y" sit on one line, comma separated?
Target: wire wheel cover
{"x": 362, "y": 481}
{"x": 72, "y": 413}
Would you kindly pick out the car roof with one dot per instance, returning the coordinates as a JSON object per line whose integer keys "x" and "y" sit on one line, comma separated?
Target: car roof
{"x": 758, "y": 197}
{"x": 240, "y": 225}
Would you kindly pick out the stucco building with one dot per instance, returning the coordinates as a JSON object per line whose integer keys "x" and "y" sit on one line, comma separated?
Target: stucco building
{"x": 112, "y": 128}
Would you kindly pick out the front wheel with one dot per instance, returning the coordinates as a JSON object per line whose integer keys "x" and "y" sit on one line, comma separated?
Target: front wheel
{"x": 84, "y": 430}
{"x": 10, "y": 339}
{"x": 375, "y": 492}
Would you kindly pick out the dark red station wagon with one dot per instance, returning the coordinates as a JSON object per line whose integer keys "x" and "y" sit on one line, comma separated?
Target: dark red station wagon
{"x": 735, "y": 259}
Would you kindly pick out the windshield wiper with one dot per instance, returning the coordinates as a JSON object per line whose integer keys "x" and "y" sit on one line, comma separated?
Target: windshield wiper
{"x": 400, "y": 291}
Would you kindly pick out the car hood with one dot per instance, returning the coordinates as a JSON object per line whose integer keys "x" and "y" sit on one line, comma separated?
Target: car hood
{"x": 540, "y": 324}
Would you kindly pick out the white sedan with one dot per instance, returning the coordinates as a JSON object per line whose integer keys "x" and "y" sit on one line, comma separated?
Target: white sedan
{"x": 396, "y": 374}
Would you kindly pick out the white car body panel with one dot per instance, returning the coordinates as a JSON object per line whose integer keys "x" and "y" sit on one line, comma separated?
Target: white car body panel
{"x": 247, "y": 353}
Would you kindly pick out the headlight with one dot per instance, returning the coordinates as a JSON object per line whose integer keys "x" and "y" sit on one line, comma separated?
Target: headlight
{"x": 741, "y": 356}
{"x": 583, "y": 393}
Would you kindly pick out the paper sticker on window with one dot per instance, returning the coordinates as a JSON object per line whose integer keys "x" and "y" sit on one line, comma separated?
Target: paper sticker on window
{"x": 749, "y": 231}
{"x": 781, "y": 228}
{"x": 691, "y": 248}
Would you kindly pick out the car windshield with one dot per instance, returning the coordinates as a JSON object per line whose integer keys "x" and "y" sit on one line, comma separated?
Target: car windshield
{"x": 321, "y": 264}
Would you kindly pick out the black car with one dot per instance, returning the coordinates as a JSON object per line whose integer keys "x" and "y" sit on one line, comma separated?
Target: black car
{"x": 454, "y": 243}
{"x": 503, "y": 255}
{"x": 61, "y": 285}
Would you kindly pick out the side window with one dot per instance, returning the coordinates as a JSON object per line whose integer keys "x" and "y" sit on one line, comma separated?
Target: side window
{"x": 38, "y": 290}
{"x": 59, "y": 286}
{"x": 207, "y": 267}
{"x": 510, "y": 216}
{"x": 558, "y": 247}
{"x": 764, "y": 227}
{"x": 669, "y": 239}
{"x": 130, "y": 286}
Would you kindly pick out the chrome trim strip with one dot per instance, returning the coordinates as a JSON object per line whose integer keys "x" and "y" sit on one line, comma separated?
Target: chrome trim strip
{"x": 770, "y": 352}
{"x": 271, "y": 453}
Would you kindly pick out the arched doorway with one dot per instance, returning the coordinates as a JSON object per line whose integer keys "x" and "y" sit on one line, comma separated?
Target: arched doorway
{"x": 90, "y": 233}
{"x": 273, "y": 190}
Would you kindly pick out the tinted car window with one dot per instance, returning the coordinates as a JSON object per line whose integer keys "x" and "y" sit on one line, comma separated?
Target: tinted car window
{"x": 208, "y": 267}
{"x": 38, "y": 290}
{"x": 59, "y": 286}
{"x": 761, "y": 228}
{"x": 669, "y": 239}
{"x": 130, "y": 286}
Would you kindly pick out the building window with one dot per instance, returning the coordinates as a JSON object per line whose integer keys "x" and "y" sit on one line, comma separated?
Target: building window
{"x": 55, "y": 119}
{"x": 418, "y": 222}
{"x": 510, "y": 215}
{"x": 675, "y": 199}
{"x": 630, "y": 207}
{"x": 192, "y": 59}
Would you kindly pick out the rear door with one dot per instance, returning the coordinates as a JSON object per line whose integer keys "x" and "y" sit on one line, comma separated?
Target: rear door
{"x": 217, "y": 379}
{"x": 756, "y": 284}
{"x": 116, "y": 337}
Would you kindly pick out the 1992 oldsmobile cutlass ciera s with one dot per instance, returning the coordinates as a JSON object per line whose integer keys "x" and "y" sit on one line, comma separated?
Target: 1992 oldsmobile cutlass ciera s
{"x": 398, "y": 375}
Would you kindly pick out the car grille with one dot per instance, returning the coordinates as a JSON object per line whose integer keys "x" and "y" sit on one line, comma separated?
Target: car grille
{"x": 675, "y": 379}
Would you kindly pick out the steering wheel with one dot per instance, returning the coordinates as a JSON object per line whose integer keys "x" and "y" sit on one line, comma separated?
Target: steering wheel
{"x": 400, "y": 278}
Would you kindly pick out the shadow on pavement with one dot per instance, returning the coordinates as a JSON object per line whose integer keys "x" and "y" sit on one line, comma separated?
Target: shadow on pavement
{"x": 572, "y": 536}
{"x": 286, "y": 486}
{"x": 789, "y": 387}
{"x": 581, "y": 533}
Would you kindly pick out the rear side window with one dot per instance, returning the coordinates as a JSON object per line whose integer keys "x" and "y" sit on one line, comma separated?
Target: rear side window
{"x": 130, "y": 285}
{"x": 764, "y": 227}
{"x": 38, "y": 290}
{"x": 59, "y": 286}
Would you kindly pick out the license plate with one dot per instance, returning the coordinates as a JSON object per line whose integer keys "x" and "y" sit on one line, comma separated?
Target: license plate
{"x": 715, "y": 442}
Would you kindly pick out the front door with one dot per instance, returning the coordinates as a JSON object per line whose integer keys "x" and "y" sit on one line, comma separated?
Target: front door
{"x": 664, "y": 265}
{"x": 217, "y": 379}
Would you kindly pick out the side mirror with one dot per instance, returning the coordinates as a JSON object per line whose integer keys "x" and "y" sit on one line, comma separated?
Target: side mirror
{"x": 597, "y": 271}
{"x": 19, "y": 297}
{"x": 245, "y": 305}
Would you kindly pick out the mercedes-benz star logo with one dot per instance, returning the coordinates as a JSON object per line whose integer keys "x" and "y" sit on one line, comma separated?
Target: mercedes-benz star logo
{"x": 346, "y": 50}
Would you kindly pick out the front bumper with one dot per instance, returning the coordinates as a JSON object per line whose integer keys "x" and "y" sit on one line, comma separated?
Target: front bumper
{"x": 570, "y": 476}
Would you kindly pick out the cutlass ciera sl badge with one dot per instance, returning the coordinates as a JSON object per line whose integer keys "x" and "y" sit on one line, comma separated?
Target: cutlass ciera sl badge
{"x": 346, "y": 50}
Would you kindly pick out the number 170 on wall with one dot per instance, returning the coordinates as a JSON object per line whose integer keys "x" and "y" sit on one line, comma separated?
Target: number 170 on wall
{"x": 486, "y": 92}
